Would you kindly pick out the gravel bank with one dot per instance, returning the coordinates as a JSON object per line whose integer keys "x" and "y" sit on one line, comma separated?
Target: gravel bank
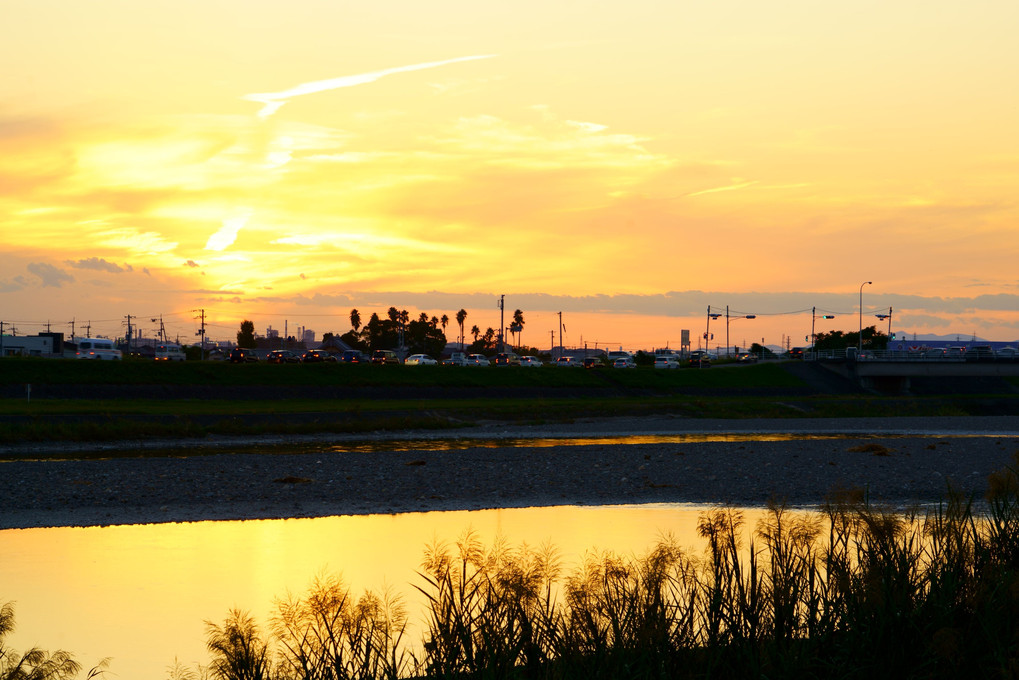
{"x": 898, "y": 461}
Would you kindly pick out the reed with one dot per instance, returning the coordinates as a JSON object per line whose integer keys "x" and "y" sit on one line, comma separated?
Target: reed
{"x": 846, "y": 592}
{"x": 37, "y": 663}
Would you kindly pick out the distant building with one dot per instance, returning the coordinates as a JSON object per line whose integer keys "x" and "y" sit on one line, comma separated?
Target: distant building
{"x": 42, "y": 345}
{"x": 308, "y": 337}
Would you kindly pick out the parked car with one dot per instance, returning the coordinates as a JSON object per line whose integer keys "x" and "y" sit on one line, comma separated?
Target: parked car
{"x": 533, "y": 362}
{"x": 593, "y": 362}
{"x": 243, "y": 355}
{"x": 317, "y": 356}
{"x": 506, "y": 359}
{"x": 666, "y": 361}
{"x": 283, "y": 356}
{"x": 420, "y": 360}
{"x": 477, "y": 360}
{"x": 624, "y": 362}
{"x": 700, "y": 359}
{"x": 1007, "y": 353}
{"x": 455, "y": 359}
{"x": 746, "y": 358}
{"x": 384, "y": 356}
{"x": 567, "y": 362}
{"x": 353, "y": 356}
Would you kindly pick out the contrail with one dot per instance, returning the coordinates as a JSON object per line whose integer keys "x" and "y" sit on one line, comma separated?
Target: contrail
{"x": 274, "y": 100}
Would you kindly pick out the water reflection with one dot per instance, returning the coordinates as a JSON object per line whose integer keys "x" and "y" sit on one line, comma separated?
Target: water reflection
{"x": 460, "y": 443}
{"x": 141, "y": 593}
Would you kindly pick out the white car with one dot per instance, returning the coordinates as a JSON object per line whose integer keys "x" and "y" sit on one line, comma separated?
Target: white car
{"x": 666, "y": 362}
{"x": 567, "y": 361}
{"x": 420, "y": 360}
{"x": 98, "y": 348}
{"x": 531, "y": 361}
{"x": 624, "y": 362}
{"x": 477, "y": 360}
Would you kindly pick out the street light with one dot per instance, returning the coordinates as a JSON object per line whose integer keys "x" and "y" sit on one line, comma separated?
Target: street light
{"x": 859, "y": 340}
{"x": 727, "y": 317}
{"x": 813, "y": 335}
{"x": 888, "y": 316}
{"x": 707, "y": 333}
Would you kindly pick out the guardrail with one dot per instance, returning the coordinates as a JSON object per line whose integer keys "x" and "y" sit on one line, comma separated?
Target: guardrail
{"x": 939, "y": 355}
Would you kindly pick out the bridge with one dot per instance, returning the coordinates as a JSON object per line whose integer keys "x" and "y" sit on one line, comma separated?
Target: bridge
{"x": 896, "y": 372}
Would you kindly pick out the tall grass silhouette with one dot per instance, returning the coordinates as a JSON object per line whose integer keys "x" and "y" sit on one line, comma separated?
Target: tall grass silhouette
{"x": 36, "y": 663}
{"x": 851, "y": 591}
{"x": 855, "y": 590}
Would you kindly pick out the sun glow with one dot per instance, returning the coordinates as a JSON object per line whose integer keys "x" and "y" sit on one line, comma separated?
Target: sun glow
{"x": 630, "y": 151}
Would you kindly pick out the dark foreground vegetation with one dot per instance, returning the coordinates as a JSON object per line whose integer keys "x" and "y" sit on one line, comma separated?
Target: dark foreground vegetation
{"x": 853, "y": 591}
{"x": 50, "y": 400}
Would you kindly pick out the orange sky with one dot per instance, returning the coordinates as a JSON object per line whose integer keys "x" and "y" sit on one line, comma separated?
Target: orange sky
{"x": 627, "y": 164}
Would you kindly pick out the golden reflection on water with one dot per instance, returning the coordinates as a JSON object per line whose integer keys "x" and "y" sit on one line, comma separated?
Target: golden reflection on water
{"x": 141, "y": 594}
{"x": 460, "y": 443}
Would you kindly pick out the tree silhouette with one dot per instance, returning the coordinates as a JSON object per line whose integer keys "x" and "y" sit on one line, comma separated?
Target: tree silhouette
{"x": 355, "y": 319}
{"x": 461, "y": 316}
{"x": 475, "y": 331}
{"x": 444, "y": 321}
{"x": 246, "y": 335}
{"x": 518, "y": 323}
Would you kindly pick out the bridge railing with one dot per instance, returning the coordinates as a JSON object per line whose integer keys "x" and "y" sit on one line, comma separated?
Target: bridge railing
{"x": 939, "y": 354}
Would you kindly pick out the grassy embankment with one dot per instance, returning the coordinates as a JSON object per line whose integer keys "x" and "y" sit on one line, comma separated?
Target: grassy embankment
{"x": 77, "y": 400}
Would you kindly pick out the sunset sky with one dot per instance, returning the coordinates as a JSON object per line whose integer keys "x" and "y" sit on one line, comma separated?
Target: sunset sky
{"x": 626, "y": 164}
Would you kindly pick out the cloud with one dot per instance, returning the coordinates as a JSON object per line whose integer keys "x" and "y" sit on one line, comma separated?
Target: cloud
{"x": 14, "y": 285}
{"x": 730, "y": 187}
{"x": 274, "y": 100}
{"x": 687, "y": 303}
{"x": 50, "y": 275}
{"x": 225, "y": 237}
{"x": 192, "y": 263}
{"x": 99, "y": 264}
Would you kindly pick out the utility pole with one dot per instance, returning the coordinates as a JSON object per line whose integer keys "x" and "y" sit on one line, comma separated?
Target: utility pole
{"x": 560, "y": 333}
{"x": 1, "y": 338}
{"x": 72, "y": 329}
{"x": 551, "y": 343}
{"x": 88, "y": 328}
{"x": 128, "y": 335}
{"x": 502, "y": 323}
{"x": 201, "y": 332}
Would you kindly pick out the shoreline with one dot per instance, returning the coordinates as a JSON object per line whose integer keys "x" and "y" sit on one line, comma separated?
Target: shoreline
{"x": 895, "y": 461}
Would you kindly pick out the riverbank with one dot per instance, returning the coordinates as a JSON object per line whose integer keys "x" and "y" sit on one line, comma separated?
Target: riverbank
{"x": 607, "y": 461}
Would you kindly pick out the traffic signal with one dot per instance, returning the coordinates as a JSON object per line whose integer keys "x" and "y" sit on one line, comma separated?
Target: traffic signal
{"x": 892, "y": 336}
{"x": 828, "y": 316}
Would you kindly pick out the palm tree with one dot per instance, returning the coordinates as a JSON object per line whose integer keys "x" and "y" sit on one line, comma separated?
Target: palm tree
{"x": 475, "y": 331}
{"x": 444, "y": 321}
{"x": 518, "y": 323}
{"x": 355, "y": 319}
{"x": 461, "y": 316}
